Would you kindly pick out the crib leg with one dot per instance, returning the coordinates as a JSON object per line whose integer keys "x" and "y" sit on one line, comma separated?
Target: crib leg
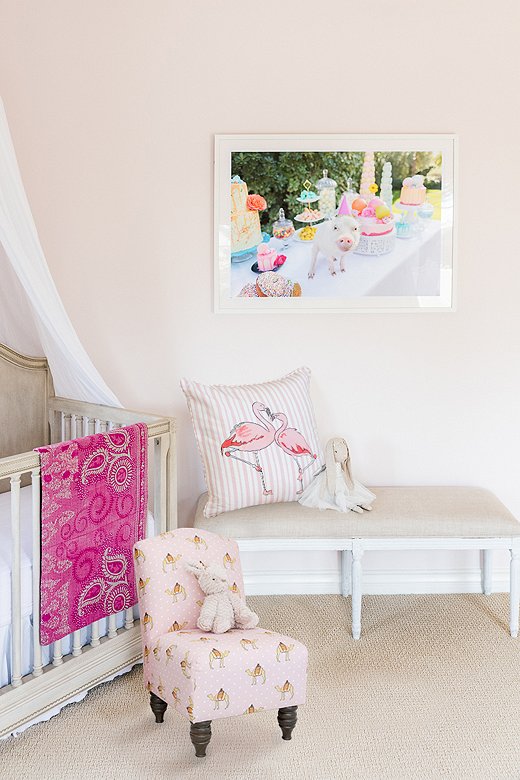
{"x": 158, "y": 707}
{"x": 200, "y": 735}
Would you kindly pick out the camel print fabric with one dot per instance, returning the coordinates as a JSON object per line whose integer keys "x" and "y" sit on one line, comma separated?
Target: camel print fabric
{"x": 258, "y": 443}
{"x": 206, "y": 676}
{"x": 94, "y": 504}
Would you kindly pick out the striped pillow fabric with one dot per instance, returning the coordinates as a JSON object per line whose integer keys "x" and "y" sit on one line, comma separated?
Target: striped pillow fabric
{"x": 258, "y": 443}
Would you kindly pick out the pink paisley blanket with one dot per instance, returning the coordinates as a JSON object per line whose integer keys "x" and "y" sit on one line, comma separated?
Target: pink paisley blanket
{"x": 94, "y": 505}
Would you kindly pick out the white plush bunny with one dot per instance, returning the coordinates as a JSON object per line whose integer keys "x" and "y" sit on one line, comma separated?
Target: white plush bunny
{"x": 222, "y": 609}
{"x": 334, "y": 487}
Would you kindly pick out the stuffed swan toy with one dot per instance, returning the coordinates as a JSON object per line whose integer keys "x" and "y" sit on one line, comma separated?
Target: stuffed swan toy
{"x": 221, "y": 609}
{"x": 334, "y": 487}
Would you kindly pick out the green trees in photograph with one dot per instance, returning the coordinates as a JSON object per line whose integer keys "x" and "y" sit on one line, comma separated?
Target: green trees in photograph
{"x": 279, "y": 176}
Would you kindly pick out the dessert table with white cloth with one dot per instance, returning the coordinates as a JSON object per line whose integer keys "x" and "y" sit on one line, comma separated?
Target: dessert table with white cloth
{"x": 411, "y": 268}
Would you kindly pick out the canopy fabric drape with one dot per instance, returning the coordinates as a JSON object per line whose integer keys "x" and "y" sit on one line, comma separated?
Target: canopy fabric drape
{"x": 33, "y": 319}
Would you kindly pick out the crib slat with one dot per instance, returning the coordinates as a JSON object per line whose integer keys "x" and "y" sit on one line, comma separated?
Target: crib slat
{"x": 76, "y": 643}
{"x": 159, "y": 485}
{"x": 37, "y": 648}
{"x": 112, "y": 626}
{"x": 94, "y": 639}
{"x": 57, "y": 655}
{"x": 97, "y": 425}
{"x": 129, "y": 618}
{"x": 66, "y": 426}
{"x": 73, "y": 426}
{"x": 85, "y": 422}
{"x": 16, "y": 584}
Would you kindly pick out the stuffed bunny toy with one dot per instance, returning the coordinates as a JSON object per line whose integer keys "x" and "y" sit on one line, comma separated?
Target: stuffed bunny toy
{"x": 221, "y": 609}
{"x": 334, "y": 487}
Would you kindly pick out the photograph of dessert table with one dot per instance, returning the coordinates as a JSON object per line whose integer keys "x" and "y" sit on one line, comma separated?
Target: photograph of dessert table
{"x": 411, "y": 268}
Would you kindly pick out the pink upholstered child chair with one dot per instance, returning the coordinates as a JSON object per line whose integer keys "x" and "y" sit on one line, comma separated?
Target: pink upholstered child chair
{"x": 206, "y": 676}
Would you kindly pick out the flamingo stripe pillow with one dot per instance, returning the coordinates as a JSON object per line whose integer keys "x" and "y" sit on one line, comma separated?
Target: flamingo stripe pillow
{"x": 258, "y": 443}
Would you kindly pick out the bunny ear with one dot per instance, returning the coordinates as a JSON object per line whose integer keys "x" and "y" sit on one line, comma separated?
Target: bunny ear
{"x": 329, "y": 453}
{"x": 348, "y": 473}
{"x": 346, "y": 466}
{"x": 330, "y": 466}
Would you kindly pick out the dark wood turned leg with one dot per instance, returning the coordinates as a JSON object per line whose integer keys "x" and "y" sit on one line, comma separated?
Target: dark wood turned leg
{"x": 158, "y": 707}
{"x": 287, "y": 720}
{"x": 200, "y": 734}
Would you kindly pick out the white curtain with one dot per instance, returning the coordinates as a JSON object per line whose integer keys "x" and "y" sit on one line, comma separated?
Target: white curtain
{"x": 32, "y": 317}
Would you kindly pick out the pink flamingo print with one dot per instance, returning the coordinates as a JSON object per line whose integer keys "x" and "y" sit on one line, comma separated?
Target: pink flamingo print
{"x": 251, "y": 437}
{"x": 293, "y": 443}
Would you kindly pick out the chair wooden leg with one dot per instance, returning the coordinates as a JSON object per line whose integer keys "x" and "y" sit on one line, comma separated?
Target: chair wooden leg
{"x": 158, "y": 707}
{"x": 287, "y": 720}
{"x": 200, "y": 735}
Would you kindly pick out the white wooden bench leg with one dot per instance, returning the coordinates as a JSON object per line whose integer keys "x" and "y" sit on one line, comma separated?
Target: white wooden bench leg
{"x": 514, "y": 588}
{"x": 357, "y": 576}
{"x": 346, "y": 568}
{"x": 487, "y": 572}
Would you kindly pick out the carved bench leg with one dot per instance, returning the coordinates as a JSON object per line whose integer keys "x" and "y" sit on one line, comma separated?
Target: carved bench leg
{"x": 514, "y": 588}
{"x": 287, "y": 720}
{"x": 357, "y": 585}
{"x": 487, "y": 572}
{"x": 200, "y": 735}
{"x": 158, "y": 707}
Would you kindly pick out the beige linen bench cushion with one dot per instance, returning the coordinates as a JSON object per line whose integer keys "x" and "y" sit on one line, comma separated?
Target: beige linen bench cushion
{"x": 417, "y": 512}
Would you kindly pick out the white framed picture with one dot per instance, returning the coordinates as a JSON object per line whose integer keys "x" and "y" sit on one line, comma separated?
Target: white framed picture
{"x": 334, "y": 223}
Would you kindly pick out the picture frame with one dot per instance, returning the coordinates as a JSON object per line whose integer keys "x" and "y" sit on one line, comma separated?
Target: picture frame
{"x": 403, "y": 261}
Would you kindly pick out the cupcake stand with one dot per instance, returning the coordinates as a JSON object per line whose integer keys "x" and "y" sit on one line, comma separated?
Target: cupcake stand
{"x": 307, "y": 200}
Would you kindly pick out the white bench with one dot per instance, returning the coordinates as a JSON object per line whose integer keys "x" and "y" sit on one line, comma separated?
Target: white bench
{"x": 403, "y": 518}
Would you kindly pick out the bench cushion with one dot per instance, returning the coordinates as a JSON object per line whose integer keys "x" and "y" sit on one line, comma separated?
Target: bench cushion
{"x": 397, "y": 512}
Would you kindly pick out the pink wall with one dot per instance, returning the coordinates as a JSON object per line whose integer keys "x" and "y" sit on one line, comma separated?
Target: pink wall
{"x": 113, "y": 107}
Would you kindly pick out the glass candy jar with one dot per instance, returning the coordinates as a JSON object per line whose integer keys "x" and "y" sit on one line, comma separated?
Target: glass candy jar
{"x": 283, "y": 228}
{"x": 327, "y": 192}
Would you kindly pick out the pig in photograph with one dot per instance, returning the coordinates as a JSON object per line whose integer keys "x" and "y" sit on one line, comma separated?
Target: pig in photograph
{"x": 334, "y": 238}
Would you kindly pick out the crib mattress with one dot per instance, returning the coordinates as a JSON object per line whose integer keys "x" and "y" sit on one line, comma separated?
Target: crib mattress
{"x": 6, "y": 554}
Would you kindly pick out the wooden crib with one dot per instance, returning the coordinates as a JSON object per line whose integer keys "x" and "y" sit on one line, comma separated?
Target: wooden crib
{"x": 31, "y": 416}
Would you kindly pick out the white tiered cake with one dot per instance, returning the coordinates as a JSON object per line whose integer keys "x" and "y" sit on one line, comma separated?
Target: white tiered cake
{"x": 245, "y": 223}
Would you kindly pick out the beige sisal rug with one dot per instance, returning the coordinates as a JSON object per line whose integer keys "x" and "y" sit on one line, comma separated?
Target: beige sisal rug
{"x": 432, "y": 690}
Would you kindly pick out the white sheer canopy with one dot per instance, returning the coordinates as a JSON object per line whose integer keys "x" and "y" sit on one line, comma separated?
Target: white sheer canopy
{"x": 33, "y": 319}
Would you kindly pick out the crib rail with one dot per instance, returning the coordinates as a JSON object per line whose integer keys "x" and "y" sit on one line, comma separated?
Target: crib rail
{"x": 70, "y": 419}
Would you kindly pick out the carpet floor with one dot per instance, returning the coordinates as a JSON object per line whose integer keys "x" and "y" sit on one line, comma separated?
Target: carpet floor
{"x": 432, "y": 690}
